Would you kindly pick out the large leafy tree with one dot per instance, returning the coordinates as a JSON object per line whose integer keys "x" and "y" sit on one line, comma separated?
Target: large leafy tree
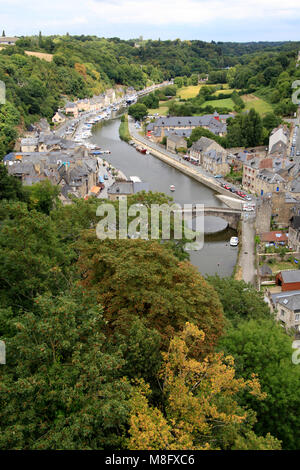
{"x": 240, "y": 301}
{"x": 138, "y": 278}
{"x": 33, "y": 258}
{"x": 200, "y": 407}
{"x": 10, "y": 186}
{"x": 60, "y": 388}
{"x": 138, "y": 111}
{"x": 263, "y": 348}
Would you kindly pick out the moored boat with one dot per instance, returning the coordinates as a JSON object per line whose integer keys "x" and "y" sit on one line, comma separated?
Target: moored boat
{"x": 172, "y": 187}
{"x": 141, "y": 149}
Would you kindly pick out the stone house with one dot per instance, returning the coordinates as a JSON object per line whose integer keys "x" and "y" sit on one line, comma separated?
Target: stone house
{"x": 58, "y": 117}
{"x": 202, "y": 146}
{"x": 216, "y": 123}
{"x": 121, "y": 189}
{"x": 278, "y": 142}
{"x": 29, "y": 144}
{"x": 71, "y": 108}
{"x": 261, "y": 175}
{"x": 269, "y": 182}
{"x": 175, "y": 142}
{"x": 215, "y": 162}
{"x": 83, "y": 105}
{"x": 286, "y": 306}
{"x": 282, "y": 208}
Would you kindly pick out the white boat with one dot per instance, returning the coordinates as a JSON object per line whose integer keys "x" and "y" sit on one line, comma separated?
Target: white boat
{"x": 234, "y": 241}
{"x": 135, "y": 179}
{"x": 172, "y": 187}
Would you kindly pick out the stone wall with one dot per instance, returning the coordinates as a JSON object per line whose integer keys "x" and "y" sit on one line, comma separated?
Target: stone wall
{"x": 263, "y": 215}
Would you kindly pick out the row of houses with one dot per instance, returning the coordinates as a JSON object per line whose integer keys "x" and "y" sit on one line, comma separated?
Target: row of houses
{"x": 183, "y": 125}
{"x": 96, "y": 103}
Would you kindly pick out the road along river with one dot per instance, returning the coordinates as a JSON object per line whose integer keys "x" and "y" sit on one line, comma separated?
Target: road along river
{"x": 217, "y": 256}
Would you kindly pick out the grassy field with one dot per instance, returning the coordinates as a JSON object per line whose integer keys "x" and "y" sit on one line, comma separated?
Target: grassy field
{"x": 188, "y": 92}
{"x": 261, "y": 106}
{"x": 162, "y": 110}
{"x": 224, "y": 103}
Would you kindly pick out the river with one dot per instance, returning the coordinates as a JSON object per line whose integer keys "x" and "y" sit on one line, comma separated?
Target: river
{"x": 217, "y": 256}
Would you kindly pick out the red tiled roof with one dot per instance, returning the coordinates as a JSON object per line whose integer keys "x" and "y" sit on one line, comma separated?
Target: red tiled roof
{"x": 274, "y": 237}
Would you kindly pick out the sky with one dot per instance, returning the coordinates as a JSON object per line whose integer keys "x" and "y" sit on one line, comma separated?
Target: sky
{"x": 207, "y": 20}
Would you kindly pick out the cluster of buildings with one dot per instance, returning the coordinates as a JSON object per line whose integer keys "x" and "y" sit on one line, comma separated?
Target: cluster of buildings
{"x": 271, "y": 172}
{"x": 43, "y": 155}
{"x": 116, "y": 96}
{"x": 94, "y": 104}
{"x": 183, "y": 125}
{"x": 285, "y": 304}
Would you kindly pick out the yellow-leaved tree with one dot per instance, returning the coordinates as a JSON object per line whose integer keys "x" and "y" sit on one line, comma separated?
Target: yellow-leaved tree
{"x": 200, "y": 408}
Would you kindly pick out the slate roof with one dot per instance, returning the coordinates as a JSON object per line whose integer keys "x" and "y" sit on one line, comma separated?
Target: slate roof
{"x": 289, "y": 299}
{"x": 290, "y": 276}
{"x": 270, "y": 177}
{"x": 203, "y": 144}
{"x": 195, "y": 121}
{"x": 175, "y": 138}
{"x": 121, "y": 187}
{"x": 265, "y": 270}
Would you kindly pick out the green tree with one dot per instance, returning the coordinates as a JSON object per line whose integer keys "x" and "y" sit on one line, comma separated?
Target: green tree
{"x": 263, "y": 348}
{"x": 270, "y": 121}
{"x": 10, "y": 186}
{"x": 138, "y": 278}
{"x": 138, "y": 111}
{"x": 43, "y": 196}
{"x": 33, "y": 256}
{"x": 60, "y": 388}
{"x": 240, "y": 301}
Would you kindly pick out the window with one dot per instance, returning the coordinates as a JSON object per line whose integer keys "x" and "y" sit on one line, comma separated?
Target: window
{"x": 282, "y": 313}
{"x": 297, "y": 317}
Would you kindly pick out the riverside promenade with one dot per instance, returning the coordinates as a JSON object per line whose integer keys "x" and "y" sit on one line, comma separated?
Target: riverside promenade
{"x": 175, "y": 161}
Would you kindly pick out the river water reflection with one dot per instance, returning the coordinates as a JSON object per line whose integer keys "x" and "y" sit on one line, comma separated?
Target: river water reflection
{"x": 216, "y": 256}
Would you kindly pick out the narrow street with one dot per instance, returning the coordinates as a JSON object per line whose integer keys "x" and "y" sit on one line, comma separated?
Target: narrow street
{"x": 247, "y": 255}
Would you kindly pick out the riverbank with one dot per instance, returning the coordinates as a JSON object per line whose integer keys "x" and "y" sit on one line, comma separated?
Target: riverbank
{"x": 216, "y": 256}
{"x": 183, "y": 167}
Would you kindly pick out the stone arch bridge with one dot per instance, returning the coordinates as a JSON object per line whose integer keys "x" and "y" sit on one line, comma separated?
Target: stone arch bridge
{"x": 232, "y": 216}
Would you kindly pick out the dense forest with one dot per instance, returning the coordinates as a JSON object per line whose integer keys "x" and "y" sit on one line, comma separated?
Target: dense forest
{"x": 122, "y": 344}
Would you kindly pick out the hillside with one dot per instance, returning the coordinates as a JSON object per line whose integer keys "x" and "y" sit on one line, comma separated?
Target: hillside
{"x": 83, "y": 66}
